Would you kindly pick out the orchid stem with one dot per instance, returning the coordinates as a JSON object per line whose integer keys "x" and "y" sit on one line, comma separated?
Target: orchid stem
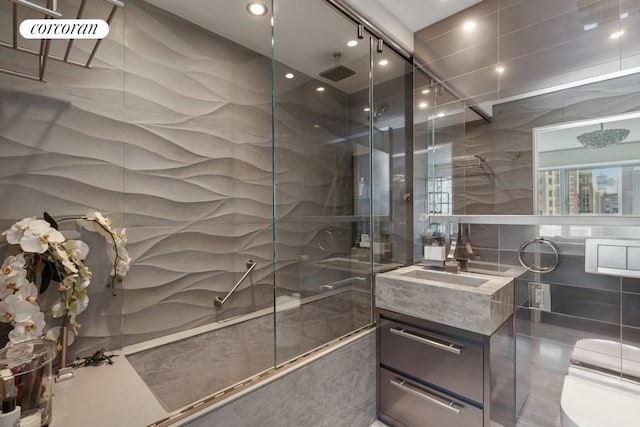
{"x": 112, "y": 284}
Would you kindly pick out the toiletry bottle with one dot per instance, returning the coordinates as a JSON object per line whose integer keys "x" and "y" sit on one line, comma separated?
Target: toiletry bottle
{"x": 361, "y": 187}
{"x": 10, "y": 416}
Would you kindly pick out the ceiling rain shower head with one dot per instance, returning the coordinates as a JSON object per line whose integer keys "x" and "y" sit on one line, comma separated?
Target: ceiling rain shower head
{"x": 339, "y": 72}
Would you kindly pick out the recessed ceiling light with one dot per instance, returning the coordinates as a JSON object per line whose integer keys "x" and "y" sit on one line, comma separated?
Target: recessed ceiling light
{"x": 320, "y": 89}
{"x": 352, "y": 43}
{"x": 624, "y": 15}
{"x": 499, "y": 69}
{"x": 257, "y": 9}
{"x": 469, "y": 26}
{"x": 425, "y": 91}
{"x": 366, "y": 109}
{"x": 441, "y": 114}
{"x": 423, "y": 105}
{"x": 616, "y": 35}
{"x": 383, "y": 62}
{"x": 316, "y": 126}
{"x": 289, "y": 75}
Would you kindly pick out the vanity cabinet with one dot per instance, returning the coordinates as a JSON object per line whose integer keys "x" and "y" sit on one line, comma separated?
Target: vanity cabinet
{"x": 432, "y": 375}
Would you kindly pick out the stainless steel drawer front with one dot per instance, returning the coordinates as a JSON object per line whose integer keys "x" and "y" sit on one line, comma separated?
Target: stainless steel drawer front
{"x": 416, "y": 405}
{"x": 450, "y": 347}
{"x": 409, "y": 388}
{"x": 449, "y": 363}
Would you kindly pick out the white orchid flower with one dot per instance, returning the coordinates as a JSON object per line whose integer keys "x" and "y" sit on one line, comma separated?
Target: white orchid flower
{"x": 82, "y": 283}
{"x": 61, "y": 254}
{"x": 19, "y": 297}
{"x": 23, "y": 310}
{"x": 12, "y": 275}
{"x": 54, "y": 334}
{"x": 15, "y": 233}
{"x": 7, "y": 312}
{"x": 13, "y": 265}
{"x": 97, "y": 216}
{"x": 77, "y": 249}
{"x": 122, "y": 264}
{"x": 29, "y": 329}
{"x": 79, "y": 304}
{"x": 28, "y": 293}
{"x": 38, "y": 235}
{"x": 8, "y": 286}
{"x": 57, "y": 311}
{"x": 97, "y": 223}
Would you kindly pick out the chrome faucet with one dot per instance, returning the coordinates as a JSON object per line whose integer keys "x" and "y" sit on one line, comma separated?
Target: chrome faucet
{"x": 464, "y": 250}
{"x": 460, "y": 251}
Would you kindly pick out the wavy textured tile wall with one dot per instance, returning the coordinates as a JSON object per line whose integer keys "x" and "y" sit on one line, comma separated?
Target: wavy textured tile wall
{"x": 170, "y": 134}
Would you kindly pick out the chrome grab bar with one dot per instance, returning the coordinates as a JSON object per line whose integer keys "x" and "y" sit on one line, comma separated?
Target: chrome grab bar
{"x": 423, "y": 394}
{"x": 451, "y": 348}
{"x": 250, "y": 266}
{"x": 339, "y": 284}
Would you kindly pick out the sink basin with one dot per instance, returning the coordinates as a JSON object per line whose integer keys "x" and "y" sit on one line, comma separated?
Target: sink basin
{"x": 454, "y": 279}
{"x": 484, "y": 267}
{"x": 355, "y": 265}
{"x": 470, "y": 301}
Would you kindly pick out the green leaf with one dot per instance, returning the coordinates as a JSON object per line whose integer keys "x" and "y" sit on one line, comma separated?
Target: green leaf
{"x": 52, "y": 222}
{"x": 47, "y": 275}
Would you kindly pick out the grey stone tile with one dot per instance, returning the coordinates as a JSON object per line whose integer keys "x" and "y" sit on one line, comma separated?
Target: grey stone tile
{"x": 336, "y": 390}
{"x": 562, "y": 329}
{"x": 630, "y": 309}
{"x": 577, "y": 301}
{"x": 540, "y": 411}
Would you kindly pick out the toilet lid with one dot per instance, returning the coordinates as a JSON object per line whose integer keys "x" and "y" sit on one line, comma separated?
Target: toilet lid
{"x": 609, "y": 355}
{"x": 593, "y": 399}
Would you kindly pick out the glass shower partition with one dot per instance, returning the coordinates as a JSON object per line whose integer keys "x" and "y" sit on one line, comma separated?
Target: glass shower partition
{"x": 392, "y": 159}
{"x": 322, "y": 177}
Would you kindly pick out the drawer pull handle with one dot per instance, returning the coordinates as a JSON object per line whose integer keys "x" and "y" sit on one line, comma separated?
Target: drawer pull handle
{"x": 408, "y": 388}
{"x": 451, "y": 348}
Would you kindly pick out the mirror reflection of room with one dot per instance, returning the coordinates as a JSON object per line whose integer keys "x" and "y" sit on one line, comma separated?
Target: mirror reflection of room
{"x": 589, "y": 167}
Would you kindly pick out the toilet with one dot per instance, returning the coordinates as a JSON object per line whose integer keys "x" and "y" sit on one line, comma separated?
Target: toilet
{"x": 593, "y": 394}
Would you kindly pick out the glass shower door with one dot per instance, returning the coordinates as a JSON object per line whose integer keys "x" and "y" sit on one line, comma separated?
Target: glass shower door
{"x": 322, "y": 177}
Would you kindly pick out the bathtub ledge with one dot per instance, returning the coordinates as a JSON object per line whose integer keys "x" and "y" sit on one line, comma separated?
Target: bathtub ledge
{"x": 105, "y": 396}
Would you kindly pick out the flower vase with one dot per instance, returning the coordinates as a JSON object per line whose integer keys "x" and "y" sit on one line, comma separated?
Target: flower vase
{"x": 27, "y": 378}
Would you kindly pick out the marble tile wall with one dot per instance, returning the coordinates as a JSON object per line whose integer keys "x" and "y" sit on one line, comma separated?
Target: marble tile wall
{"x": 335, "y": 390}
{"x": 170, "y": 135}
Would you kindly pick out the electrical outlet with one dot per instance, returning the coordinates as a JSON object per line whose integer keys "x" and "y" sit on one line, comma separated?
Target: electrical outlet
{"x": 540, "y": 296}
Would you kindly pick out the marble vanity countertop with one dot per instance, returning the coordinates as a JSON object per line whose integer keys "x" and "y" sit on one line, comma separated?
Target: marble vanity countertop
{"x": 105, "y": 396}
{"x": 473, "y": 302}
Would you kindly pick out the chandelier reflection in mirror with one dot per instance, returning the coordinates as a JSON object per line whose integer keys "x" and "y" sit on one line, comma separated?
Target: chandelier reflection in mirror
{"x": 603, "y": 137}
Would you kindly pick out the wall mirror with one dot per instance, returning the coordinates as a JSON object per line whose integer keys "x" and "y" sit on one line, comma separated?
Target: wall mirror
{"x": 588, "y": 167}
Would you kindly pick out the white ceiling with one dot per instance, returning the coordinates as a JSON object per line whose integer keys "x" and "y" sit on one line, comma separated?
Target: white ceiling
{"x": 417, "y": 14}
{"x": 307, "y": 32}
